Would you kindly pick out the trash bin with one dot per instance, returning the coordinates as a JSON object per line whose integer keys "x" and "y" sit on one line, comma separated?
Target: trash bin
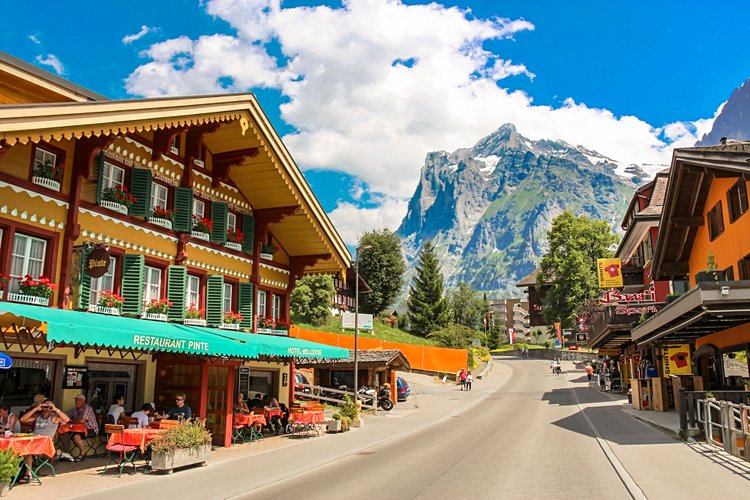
{"x": 630, "y": 396}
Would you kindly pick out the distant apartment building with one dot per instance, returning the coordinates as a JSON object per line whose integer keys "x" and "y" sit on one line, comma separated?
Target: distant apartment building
{"x": 511, "y": 313}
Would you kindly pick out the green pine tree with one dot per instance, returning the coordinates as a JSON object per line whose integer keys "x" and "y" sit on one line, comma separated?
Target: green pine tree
{"x": 427, "y": 309}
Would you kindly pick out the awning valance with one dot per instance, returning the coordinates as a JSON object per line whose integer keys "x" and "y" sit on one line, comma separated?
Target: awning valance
{"x": 274, "y": 345}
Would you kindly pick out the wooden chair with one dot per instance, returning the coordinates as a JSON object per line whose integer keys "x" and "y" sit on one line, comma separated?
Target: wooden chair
{"x": 127, "y": 453}
{"x": 129, "y": 422}
{"x": 169, "y": 424}
{"x": 238, "y": 431}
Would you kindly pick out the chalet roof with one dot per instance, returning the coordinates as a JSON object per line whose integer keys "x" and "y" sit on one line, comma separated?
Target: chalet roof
{"x": 393, "y": 358}
{"x": 529, "y": 280}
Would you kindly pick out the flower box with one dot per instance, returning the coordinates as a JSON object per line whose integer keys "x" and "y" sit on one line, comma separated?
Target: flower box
{"x": 174, "y": 150}
{"x": 28, "y": 299}
{"x": 181, "y": 457}
{"x": 267, "y": 256}
{"x": 199, "y": 163}
{"x": 48, "y": 183}
{"x": 233, "y": 246}
{"x": 194, "y": 322}
{"x": 230, "y": 326}
{"x": 280, "y": 332}
{"x": 160, "y": 221}
{"x": 96, "y": 308}
{"x": 264, "y": 330}
{"x": 200, "y": 235}
{"x": 113, "y": 205}
{"x": 333, "y": 425}
{"x": 155, "y": 317}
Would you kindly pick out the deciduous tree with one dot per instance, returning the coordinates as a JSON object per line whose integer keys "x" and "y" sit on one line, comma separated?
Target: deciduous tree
{"x": 382, "y": 266}
{"x": 312, "y": 298}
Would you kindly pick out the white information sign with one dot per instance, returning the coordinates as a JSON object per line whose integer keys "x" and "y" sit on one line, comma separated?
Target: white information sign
{"x": 365, "y": 321}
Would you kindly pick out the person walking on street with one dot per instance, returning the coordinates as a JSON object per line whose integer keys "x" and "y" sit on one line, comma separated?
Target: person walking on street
{"x": 462, "y": 377}
{"x": 589, "y": 372}
{"x": 468, "y": 381}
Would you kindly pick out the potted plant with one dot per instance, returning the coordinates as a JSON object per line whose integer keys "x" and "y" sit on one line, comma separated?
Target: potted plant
{"x": 186, "y": 444}
{"x": 118, "y": 199}
{"x": 194, "y": 316}
{"x": 712, "y": 273}
{"x": 34, "y": 291}
{"x": 267, "y": 250}
{"x": 265, "y": 324}
{"x": 231, "y": 321}
{"x": 10, "y": 464}
{"x": 710, "y": 396}
{"x": 202, "y": 228}
{"x": 157, "y": 309}
{"x": 48, "y": 174}
{"x": 109, "y": 303}
{"x": 162, "y": 217}
{"x": 234, "y": 239}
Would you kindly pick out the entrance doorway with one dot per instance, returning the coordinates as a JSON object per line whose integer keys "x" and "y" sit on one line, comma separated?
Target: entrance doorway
{"x": 217, "y": 407}
{"x": 106, "y": 380}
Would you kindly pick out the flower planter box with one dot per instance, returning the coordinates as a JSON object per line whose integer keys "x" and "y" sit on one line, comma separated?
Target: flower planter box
{"x": 267, "y": 256}
{"x": 194, "y": 322}
{"x": 233, "y": 246}
{"x": 174, "y": 150}
{"x": 113, "y": 205}
{"x": 199, "y": 163}
{"x": 112, "y": 311}
{"x": 264, "y": 330}
{"x": 28, "y": 299}
{"x": 280, "y": 332}
{"x": 333, "y": 425}
{"x": 230, "y": 326}
{"x": 710, "y": 276}
{"x": 48, "y": 183}
{"x": 155, "y": 317}
{"x": 159, "y": 221}
{"x": 168, "y": 461}
{"x": 200, "y": 236}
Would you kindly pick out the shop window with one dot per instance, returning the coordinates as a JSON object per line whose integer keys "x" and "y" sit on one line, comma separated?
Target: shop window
{"x": 159, "y": 196}
{"x": 152, "y": 284}
{"x": 23, "y": 380}
{"x": 715, "y": 222}
{"x": 276, "y": 307}
{"x": 737, "y": 200}
{"x": 105, "y": 283}
{"x": 27, "y": 258}
{"x": 228, "y": 296}
{"x": 112, "y": 176}
{"x": 193, "y": 291}
{"x": 261, "y": 303}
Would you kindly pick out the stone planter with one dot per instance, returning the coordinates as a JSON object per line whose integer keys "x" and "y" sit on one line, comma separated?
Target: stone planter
{"x": 233, "y": 246}
{"x": 96, "y": 308}
{"x": 28, "y": 299}
{"x": 161, "y": 222}
{"x": 194, "y": 322}
{"x": 113, "y": 205}
{"x": 168, "y": 461}
{"x": 48, "y": 183}
{"x": 155, "y": 317}
{"x": 4, "y": 489}
{"x": 267, "y": 256}
{"x": 230, "y": 326}
{"x": 200, "y": 235}
{"x": 334, "y": 425}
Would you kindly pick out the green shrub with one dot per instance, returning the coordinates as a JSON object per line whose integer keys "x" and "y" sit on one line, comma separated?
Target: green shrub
{"x": 9, "y": 465}
{"x": 187, "y": 435}
{"x": 348, "y": 408}
{"x": 336, "y": 416}
{"x": 346, "y": 424}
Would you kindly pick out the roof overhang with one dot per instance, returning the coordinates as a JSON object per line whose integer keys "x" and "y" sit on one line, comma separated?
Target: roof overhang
{"x": 705, "y": 309}
{"x": 270, "y": 180}
{"x": 634, "y": 236}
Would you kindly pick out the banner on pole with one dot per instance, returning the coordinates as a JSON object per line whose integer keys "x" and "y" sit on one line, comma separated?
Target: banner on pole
{"x": 559, "y": 333}
{"x": 609, "y": 272}
{"x": 512, "y": 335}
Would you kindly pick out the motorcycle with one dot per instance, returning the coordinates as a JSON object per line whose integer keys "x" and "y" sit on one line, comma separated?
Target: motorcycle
{"x": 383, "y": 396}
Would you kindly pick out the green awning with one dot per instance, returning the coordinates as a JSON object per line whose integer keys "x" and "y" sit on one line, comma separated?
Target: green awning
{"x": 89, "y": 329}
{"x": 276, "y": 345}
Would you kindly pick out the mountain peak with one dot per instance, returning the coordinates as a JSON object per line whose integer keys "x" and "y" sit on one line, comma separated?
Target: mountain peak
{"x": 732, "y": 121}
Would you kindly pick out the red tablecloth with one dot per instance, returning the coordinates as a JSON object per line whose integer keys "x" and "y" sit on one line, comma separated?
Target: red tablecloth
{"x": 275, "y": 412}
{"x": 250, "y": 419}
{"x": 72, "y": 427}
{"x": 308, "y": 417}
{"x": 29, "y": 445}
{"x": 135, "y": 437}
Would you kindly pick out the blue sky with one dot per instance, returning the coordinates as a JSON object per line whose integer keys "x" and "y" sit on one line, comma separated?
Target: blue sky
{"x": 362, "y": 90}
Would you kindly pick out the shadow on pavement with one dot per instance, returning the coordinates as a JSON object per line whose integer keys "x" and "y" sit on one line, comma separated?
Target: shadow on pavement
{"x": 614, "y": 426}
{"x": 733, "y": 464}
{"x": 584, "y": 395}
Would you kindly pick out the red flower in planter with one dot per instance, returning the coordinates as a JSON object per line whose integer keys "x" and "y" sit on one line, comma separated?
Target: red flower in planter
{"x": 234, "y": 236}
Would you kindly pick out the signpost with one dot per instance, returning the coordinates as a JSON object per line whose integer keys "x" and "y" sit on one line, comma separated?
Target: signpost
{"x": 97, "y": 262}
{"x": 347, "y": 321}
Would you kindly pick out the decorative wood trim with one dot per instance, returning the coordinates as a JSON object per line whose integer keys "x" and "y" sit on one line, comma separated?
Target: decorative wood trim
{"x": 163, "y": 139}
{"x": 223, "y": 162}
{"x": 193, "y": 147}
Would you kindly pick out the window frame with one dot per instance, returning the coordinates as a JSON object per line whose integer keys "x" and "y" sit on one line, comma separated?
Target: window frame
{"x": 228, "y": 298}
{"x": 199, "y": 291}
{"x": 156, "y": 186}
{"x": 258, "y": 311}
{"x": 715, "y": 221}
{"x": 15, "y": 279}
{"x": 48, "y": 148}
{"x": 276, "y": 306}
{"x": 114, "y": 262}
{"x": 233, "y": 225}
{"x": 202, "y": 215}
{"x": 736, "y": 195}
{"x": 147, "y": 284}
{"x": 108, "y": 164}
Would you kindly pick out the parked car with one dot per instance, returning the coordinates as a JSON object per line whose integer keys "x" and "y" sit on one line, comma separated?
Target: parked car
{"x": 402, "y": 389}
{"x": 300, "y": 390}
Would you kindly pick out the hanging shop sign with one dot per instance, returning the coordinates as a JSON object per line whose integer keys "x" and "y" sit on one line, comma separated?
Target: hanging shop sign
{"x": 74, "y": 376}
{"x": 609, "y": 272}
{"x": 676, "y": 359}
{"x": 97, "y": 262}
{"x": 5, "y": 361}
{"x": 611, "y": 297}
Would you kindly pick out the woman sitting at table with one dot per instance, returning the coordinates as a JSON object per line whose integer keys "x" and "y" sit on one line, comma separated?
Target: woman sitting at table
{"x": 240, "y": 406}
{"x": 275, "y": 421}
{"x": 46, "y": 418}
{"x": 117, "y": 408}
{"x": 8, "y": 421}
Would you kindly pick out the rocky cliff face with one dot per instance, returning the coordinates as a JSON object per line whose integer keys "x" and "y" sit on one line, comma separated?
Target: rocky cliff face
{"x": 487, "y": 209}
{"x": 733, "y": 121}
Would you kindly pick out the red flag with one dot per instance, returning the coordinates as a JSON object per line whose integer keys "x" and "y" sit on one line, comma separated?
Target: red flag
{"x": 512, "y": 335}
{"x": 559, "y": 332}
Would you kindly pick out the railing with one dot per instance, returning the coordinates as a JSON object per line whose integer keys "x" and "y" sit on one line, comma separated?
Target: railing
{"x": 727, "y": 425}
{"x": 689, "y": 406}
{"x": 335, "y": 396}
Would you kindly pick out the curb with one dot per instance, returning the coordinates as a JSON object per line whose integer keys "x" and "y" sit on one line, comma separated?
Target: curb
{"x": 487, "y": 369}
{"x": 665, "y": 430}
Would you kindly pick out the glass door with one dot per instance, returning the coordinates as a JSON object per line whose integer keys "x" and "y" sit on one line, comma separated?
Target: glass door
{"x": 217, "y": 406}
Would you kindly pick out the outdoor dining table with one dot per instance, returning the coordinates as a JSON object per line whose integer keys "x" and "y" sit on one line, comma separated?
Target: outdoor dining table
{"x": 136, "y": 437}
{"x": 30, "y": 445}
{"x": 273, "y": 412}
{"x": 253, "y": 421}
{"x": 306, "y": 421}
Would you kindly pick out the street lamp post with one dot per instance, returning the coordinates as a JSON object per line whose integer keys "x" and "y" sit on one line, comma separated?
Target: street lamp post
{"x": 356, "y": 319}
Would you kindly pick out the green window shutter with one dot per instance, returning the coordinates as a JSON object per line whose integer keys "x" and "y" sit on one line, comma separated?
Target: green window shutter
{"x": 219, "y": 217}
{"x": 245, "y": 301}
{"x": 84, "y": 285}
{"x": 214, "y": 299}
{"x": 176, "y": 288}
{"x": 183, "y": 210}
{"x": 99, "y": 177}
{"x": 140, "y": 187}
{"x": 248, "y": 233}
{"x": 133, "y": 267}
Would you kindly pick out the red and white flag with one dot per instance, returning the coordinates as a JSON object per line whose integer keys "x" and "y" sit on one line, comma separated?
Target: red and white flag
{"x": 512, "y": 335}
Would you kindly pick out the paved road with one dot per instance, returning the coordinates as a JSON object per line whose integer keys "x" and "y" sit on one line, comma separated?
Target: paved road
{"x": 524, "y": 433}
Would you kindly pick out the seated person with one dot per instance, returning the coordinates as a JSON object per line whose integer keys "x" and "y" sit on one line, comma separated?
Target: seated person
{"x": 117, "y": 408}
{"x": 284, "y": 417}
{"x": 181, "y": 411}
{"x": 83, "y": 414}
{"x": 46, "y": 418}
{"x": 240, "y": 406}
{"x": 8, "y": 421}
{"x": 256, "y": 402}
{"x": 275, "y": 421}
{"x": 143, "y": 415}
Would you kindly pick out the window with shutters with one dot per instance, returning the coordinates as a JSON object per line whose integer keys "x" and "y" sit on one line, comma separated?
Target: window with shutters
{"x": 112, "y": 176}
{"x": 193, "y": 294}
{"x": 729, "y": 274}
{"x": 47, "y": 168}
{"x": 159, "y": 196}
{"x": 103, "y": 284}
{"x": 199, "y": 208}
{"x": 28, "y": 257}
{"x": 737, "y": 200}
{"x": 276, "y": 306}
{"x": 715, "y": 218}
{"x": 261, "y": 303}
{"x": 231, "y": 221}
{"x": 228, "y": 289}
{"x": 743, "y": 266}
{"x": 151, "y": 284}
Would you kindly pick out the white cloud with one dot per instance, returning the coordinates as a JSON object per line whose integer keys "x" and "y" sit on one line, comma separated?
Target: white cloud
{"x": 390, "y": 83}
{"x": 35, "y": 39}
{"x": 351, "y": 221}
{"x": 145, "y": 30}
{"x": 52, "y": 61}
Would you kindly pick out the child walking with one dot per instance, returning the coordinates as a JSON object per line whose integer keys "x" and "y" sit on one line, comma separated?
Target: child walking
{"x": 468, "y": 381}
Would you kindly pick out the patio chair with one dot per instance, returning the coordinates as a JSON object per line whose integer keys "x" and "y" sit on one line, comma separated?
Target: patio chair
{"x": 129, "y": 422}
{"x": 238, "y": 432}
{"x": 127, "y": 453}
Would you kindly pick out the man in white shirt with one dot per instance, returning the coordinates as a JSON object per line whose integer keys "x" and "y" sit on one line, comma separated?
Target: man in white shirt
{"x": 143, "y": 415}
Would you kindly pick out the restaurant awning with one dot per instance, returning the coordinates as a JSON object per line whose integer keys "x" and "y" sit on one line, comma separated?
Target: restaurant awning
{"x": 87, "y": 329}
{"x": 274, "y": 345}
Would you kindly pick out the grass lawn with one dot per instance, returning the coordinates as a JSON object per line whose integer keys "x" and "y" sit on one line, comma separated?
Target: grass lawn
{"x": 381, "y": 331}
{"x": 518, "y": 346}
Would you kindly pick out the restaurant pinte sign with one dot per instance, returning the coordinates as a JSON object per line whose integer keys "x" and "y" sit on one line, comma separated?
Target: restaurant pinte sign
{"x": 165, "y": 343}
{"x": 97, "y": 262}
